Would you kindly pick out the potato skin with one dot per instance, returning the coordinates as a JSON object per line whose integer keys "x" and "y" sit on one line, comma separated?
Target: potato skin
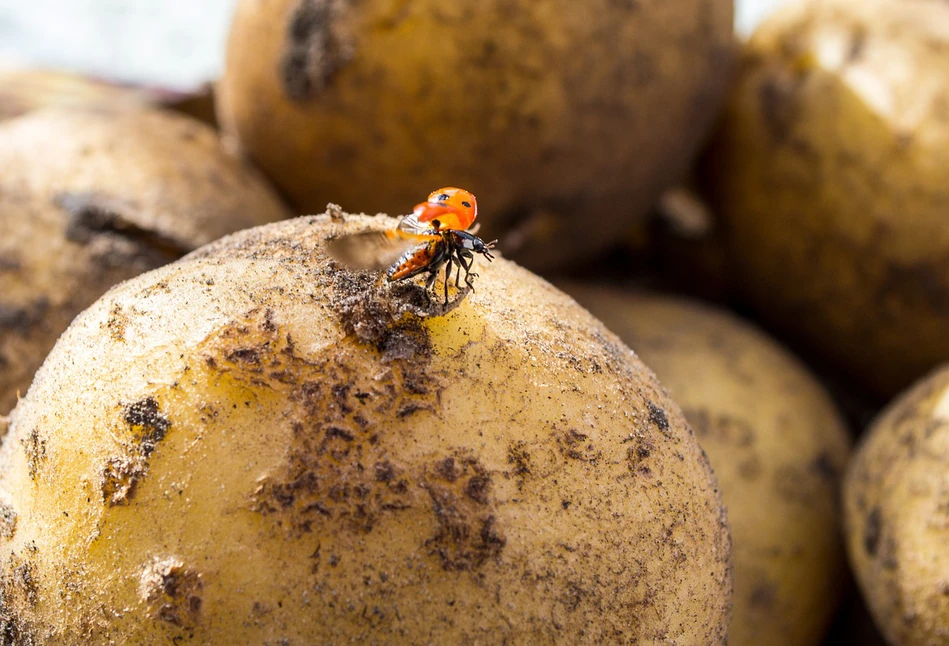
{"x": 775, "y": 441}
{"x": 277, "y": 448}
{"x": 163, "y": 174}
{"x": 897, "y": 517}
{"x": 831, "y": 172}
{"x": 90, "y": 198}
{"x": 566, "y": 119}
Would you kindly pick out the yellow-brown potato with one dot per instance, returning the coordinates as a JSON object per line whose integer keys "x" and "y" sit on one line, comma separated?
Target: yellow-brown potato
{"x": 254, "y": 445}
{"x": 566, "y": 119}
{"x": 832, "y": 175}
{"x": 88, "y": 199}
{"x": 25, "y": 90}
{"x": 896, "y": 504}
{"x": 776, "y": 443}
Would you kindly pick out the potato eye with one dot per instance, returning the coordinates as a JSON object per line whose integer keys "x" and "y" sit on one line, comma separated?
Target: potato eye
{"x": 467, "y": 205}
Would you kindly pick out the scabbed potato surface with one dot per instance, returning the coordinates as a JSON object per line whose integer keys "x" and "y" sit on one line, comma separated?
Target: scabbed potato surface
{"x": 254, "y": 444}
{"x": 567, "y": 119}
{"x": 90, "y": 198}
{"x": 776, "y": 442}
{"x": 832, "y": 175}
{"x": 896, "y": 503}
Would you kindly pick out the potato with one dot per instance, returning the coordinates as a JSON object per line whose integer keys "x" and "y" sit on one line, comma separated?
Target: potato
{"x": 566, "y": 118}
{"x": 88, "y": 199}
{"x": 776, "y": 443}
{"x": 25, "y": 90}
{"x": 896, "y": 504}
{"x": 275, "y": 449}
{"x": 831, "y": 171}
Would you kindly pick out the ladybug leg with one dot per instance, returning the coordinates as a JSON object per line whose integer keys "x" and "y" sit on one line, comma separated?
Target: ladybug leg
{"x": 447, "y": 278}
{"x": 461, "y": 264}
{"x": 467, "y": 259}
{"x": 431, "y": 279}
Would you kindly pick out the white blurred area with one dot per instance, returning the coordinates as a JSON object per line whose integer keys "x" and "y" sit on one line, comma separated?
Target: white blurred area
{"x": 750, "y": 13}
{"x": 173, "y": 44}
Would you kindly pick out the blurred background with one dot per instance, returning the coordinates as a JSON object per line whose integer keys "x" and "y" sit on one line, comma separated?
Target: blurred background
{"x": 783, "y": 194}
{"x": 177, "y": 45}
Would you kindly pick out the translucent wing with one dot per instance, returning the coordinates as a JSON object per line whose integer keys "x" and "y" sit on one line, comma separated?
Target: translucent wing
{"x": 371, "y": 249}
{"x": 413, "y": 226}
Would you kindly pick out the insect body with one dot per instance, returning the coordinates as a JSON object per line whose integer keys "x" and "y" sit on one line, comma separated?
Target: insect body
{"x": 431, "y": 237}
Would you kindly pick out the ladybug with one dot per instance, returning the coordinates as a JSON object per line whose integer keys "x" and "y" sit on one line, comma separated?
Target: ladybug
{"x": 433, "y": 236}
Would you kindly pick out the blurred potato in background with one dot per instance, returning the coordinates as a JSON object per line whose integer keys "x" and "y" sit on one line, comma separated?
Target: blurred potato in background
{"x": 776, "y": 443}
{"x": 566, "y": 118}
{"x": 831, "y": 174}
{"x": 896, "y": 499}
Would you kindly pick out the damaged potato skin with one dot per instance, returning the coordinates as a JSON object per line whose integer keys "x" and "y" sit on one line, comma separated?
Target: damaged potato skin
{"x": 555, "y": 113}
{"x": 831, "y": 174}
{"x": 776, "y": 442}
{"x": 896, "y": 504}
{"x": 281, "y": 449}
{"x": 88, "y": 199}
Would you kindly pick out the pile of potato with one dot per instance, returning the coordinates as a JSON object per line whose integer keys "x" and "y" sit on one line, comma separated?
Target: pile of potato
{"x": 216, "y": 431}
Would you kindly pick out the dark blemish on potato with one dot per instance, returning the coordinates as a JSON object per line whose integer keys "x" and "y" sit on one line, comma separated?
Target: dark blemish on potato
{"x": 93, "y": 214}
{"x": 120, "y": 477}
{"x": 24, "y": 579}
{"x": 172, "y": 592}
{"x": 823, "y": 465}
{"x": 573, "y": 445}
{"x": 35, "y": 447}
{"x": 8, "y": 264}
{"x": 21, "y": 319}
{"x": 8, "y": 520}
{"x": 467, "y": 535}
{"x": 12, "y": 631}
{"x": 315, "y": 49}
{"x": 250, "y": 356}
{"x": 447, "y": 469}
{"x": 519, "y": 458}
{"x": 461, "y": 542}
{"x": 762, "y": 596}
{"x": 750, "y": 469}
{"x": 658, "y": 417}
{"x": 148, "y": 423}
{"x": 637, "y": 454}
{"x": 121, "y": 474}
{"x": 477, "y": 488}
{"x": 871, "y": 531}
{"x": 117, "y": 323}
{"x": 337, "y": 471}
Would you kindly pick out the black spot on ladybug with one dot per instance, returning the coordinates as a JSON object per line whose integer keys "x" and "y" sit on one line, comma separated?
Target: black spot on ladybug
{"x": 443, "y": 197}
{"x": 467, "y": 205}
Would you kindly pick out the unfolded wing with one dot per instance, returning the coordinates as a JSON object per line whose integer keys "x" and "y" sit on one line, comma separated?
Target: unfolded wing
{"x": 371, "y": 249}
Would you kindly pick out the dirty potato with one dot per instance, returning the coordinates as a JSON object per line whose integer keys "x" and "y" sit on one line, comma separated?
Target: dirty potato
{"x": 896, "y": 503}
{"x": 566, "y": 118}
{"x": 776, "y": 443}
{"x": 88, "y": 199}
{"x": 26, "y": 90}
{"x": 831, "y": 171}
{"x": 255, "y": 445}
